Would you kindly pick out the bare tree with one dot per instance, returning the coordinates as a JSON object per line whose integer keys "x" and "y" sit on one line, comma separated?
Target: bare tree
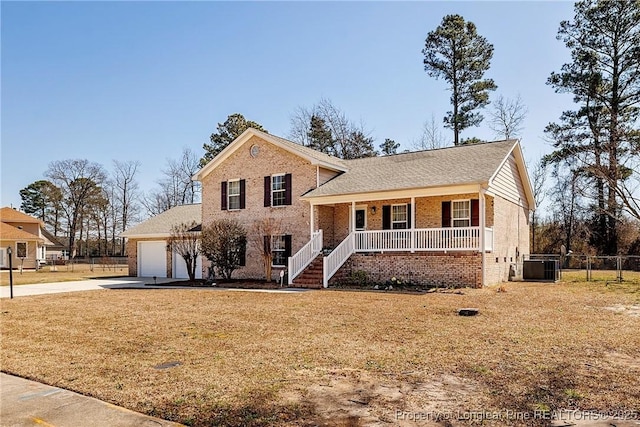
{"x": 349, "y": 140}
{"x": 260, "y": 240}
{"x": 431, "y": 137}
{"x": 176, "y": 187}
{"x": 126, "y": 193}
{"x": 224, "y": 243}
{"x": 507, "y": 117}
{"x": 185, "y": 241}
{"x": 79, "y": 180}
{"x": 538, "y": 178}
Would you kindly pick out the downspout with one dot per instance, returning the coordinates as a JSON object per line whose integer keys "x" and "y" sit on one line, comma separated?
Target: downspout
{"x": 483, "y": 224}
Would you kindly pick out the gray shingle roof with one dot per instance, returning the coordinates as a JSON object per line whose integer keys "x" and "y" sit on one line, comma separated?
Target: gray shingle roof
{"x": 161, "y": 224}
{"x": 465, "y": 164}
{"x": 310, "y": 152}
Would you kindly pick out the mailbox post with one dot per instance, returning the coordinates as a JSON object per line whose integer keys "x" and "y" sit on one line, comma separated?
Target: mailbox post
{"x": 9, "y": 252}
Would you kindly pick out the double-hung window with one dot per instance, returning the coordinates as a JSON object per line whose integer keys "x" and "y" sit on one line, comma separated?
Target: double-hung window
{"x": 461, "y": 213}
{"x": 278, "y": 190}
{"x": 21, "y": 250}
{"x": 399, "y": 217}
{"x": 278, "y": 251}
{"x": 233, "y": 194}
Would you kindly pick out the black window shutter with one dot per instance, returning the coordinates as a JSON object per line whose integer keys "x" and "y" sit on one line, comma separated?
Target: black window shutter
{"x": 287, "y": 189}
{"x": 386, "y": 217}
{"x": 223, "y": 195}
{"x": 242, "y": 261}
{"x": 287, "y": 245}
{"x": 446, "y": 214}
{"x": 267, "y": 191}
{"x": 242, "y": 194}
{"x": 475, "y": 212}
{"x": 408, "y": 215}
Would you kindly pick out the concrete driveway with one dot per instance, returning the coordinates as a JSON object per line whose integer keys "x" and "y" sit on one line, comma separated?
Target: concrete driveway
{"x": 84, "y": 285}
{"x": 118, "y": 283}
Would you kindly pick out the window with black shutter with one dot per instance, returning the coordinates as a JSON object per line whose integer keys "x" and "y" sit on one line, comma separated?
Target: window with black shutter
{"x": 267, "y": 191}
{"x": 446, "y": 214}
{"x": 223, "y": 195}
{"x": 475, "y": 212}
{"x": 386, "y": 217}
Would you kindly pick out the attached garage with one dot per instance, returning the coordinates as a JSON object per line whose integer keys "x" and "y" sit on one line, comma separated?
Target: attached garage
{"x": 152, "y": 259}
{"x": 147, "y": 243}
{"x": 180, "y": 267}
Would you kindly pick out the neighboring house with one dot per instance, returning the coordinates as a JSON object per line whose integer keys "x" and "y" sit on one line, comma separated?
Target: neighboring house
{"x": 58, "y": 250}
{"x": 24, "y": 235}
{"x": 148, "y": 251}
{"x": 455, "y": 216}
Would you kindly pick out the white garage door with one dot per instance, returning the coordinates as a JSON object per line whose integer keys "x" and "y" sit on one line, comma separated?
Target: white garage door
{"x": 180, "y": 267}
{"x": 152, "y": 259}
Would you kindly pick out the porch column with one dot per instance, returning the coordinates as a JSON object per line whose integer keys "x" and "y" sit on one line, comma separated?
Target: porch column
{"x": 311, "y": 220}
{"x": 483, "y": 221}
{"x": 413, "y": 224}
{"x": 353, "y": 217}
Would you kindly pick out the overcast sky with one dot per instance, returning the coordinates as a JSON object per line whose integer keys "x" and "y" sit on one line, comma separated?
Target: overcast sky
{"x": 142, "y": 80}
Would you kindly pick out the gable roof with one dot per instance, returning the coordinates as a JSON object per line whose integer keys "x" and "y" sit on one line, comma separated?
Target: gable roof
{"x": 160, "y": 225}
{"x": 460, "y": 165}
{"x": 9, "y": 232}
{"x": 309, "y": 154}
{"x": 15, "y": 216}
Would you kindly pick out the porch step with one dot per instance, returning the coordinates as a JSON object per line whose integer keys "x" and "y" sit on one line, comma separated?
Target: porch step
{"x": 311, "y": 277}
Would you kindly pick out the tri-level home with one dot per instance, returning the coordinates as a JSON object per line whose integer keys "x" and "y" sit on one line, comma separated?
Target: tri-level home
{"x": 455, "y": 216}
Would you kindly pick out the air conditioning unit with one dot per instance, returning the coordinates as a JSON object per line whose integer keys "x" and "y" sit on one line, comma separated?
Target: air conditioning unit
{"x": 542, "y": 270}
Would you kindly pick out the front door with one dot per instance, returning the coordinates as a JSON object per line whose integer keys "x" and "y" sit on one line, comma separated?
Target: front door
{"x": 361, "y": 219}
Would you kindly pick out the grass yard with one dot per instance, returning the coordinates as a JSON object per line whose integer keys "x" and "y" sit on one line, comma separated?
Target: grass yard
{"x": 213, "y": 357}
{"x": 63, "y": 273}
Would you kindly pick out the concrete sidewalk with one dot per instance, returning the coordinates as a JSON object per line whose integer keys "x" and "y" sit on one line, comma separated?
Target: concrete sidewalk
{"x": 26, "y": 403}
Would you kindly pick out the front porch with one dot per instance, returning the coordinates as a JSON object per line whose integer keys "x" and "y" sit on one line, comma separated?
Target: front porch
{"x": 404, "y": 232}
{"x": 436, "y": 225}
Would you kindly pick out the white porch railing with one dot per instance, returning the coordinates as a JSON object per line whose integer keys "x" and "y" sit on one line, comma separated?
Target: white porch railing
{"x": 332, "y": 262}
{"x": 301, "y": 259}
{"x": 422, "y": 239}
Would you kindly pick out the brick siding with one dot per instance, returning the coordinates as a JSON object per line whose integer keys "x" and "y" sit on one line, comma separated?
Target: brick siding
{"x": 459, "y": 269}
{"x": 294, "y": 219}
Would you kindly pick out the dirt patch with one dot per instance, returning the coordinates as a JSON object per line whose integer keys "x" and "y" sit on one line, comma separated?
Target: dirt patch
{"x": 623, "y": 360}
{"x": 360, "y": 398}
{"x": 629, "y": 310}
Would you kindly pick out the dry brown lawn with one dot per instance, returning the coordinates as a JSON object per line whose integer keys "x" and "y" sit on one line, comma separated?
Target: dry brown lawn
{"x": 334, "y": 357}
{"x": 63, "y": 273}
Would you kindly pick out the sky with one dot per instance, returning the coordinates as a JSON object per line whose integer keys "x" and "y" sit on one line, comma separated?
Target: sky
{"x": 140, "y": 81}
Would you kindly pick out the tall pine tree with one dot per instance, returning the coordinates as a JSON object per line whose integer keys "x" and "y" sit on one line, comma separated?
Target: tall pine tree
{"x": 600, "y": 136}
{"x": 455, "y": 52}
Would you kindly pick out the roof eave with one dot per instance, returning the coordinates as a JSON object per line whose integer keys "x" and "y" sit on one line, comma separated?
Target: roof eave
{"x": 244, "y": 137}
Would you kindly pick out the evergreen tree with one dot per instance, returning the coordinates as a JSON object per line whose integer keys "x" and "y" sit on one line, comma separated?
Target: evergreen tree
{"x": 600, "y": 136}
{"x": 227, "y": 132}
{"x": 43, "y": 200}
{"x": 319, "y": 135}
{"x": 389, "y": 146}
{"x": 455, "y": 52}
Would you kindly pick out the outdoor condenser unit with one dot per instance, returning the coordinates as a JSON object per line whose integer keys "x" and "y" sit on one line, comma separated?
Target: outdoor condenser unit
{"x": 544, "y": 270}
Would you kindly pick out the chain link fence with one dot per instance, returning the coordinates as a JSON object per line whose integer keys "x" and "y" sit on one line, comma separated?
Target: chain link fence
{"x": 597, "y": 267}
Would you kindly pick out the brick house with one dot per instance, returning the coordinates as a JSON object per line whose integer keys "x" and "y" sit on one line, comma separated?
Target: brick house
{"x": 456, "y": 216}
